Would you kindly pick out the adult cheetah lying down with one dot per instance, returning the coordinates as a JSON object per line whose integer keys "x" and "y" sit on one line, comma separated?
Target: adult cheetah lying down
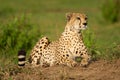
{"x": 66, "y": 49}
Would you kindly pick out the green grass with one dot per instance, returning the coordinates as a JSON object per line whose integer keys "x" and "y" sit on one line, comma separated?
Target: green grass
{"x": 47, "y": 18}
{"x": 16, "y": 35}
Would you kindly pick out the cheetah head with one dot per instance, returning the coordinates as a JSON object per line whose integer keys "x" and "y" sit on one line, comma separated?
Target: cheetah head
{"x": 76, "y": 21}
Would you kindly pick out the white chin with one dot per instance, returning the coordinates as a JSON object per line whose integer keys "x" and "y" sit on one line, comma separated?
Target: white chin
{"x": 84, "y": 27}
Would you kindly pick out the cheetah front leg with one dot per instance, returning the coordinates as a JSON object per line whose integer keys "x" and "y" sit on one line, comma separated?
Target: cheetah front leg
{"x": 71, "y": 63}
{"x": 84, "y": 62}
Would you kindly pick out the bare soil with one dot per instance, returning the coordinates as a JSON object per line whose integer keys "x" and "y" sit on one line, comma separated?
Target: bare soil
{"x": 98, "y": 70}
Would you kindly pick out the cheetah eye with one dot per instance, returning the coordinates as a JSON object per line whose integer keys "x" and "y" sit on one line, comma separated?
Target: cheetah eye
{"x": 86, "y": 18}
{"x": 78, "y": 18}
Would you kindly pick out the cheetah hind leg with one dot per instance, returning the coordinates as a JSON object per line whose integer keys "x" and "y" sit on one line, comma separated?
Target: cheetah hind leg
{"x": 36, "y": 52}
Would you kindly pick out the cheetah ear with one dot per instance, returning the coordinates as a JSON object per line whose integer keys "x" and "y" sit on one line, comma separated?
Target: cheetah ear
{"x": 68, "y": 16}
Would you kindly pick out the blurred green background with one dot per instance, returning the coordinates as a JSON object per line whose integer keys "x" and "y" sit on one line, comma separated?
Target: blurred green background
{"x": 23, "y": 22}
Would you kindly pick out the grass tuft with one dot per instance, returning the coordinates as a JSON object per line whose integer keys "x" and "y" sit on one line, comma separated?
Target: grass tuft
{"x": 90, "y": 42}
{"x": 17, "y": 34}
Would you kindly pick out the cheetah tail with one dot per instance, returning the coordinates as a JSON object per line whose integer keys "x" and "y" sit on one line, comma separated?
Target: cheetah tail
{"x": 21, "y": 57}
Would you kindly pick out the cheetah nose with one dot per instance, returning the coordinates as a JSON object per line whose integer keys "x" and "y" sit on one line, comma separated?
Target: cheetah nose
{"x": 85, "y": 24}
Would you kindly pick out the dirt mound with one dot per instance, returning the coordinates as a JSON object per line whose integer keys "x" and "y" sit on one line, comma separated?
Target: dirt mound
{"x": 98, "y": 70}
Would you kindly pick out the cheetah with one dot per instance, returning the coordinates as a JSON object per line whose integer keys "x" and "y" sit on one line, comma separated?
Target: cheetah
{"x": 67, "y": 48}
